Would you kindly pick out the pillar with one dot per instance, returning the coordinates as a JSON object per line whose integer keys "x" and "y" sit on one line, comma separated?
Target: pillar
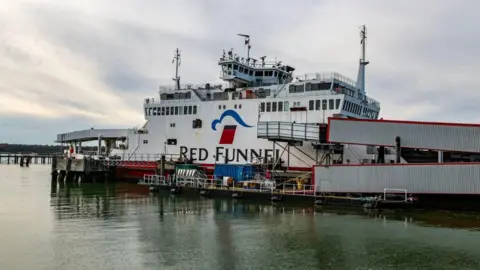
{"x": 398, "y": 149}
{"x": 99, "y": 151}
{"x": 440, "y": 156}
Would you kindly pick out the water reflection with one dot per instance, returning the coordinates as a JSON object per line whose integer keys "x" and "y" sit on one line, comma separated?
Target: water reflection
{"x": 107, "y": 226}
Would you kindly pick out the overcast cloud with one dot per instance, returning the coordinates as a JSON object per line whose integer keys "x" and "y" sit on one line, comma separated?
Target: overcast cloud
{"x": 68, "y": 65}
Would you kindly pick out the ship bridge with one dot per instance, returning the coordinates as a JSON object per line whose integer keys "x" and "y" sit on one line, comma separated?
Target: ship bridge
{"x": 245, "y": 71}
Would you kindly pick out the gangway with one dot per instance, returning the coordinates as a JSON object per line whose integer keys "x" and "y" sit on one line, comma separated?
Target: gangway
{"x": 288, "y": 131}
{"x": 453, "y": 137}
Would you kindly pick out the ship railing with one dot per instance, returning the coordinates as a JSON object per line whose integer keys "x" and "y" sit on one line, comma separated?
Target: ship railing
{"x": 330, "y": 76}
{"x": 152, "y": 157}
{"x": 190, "y": 86}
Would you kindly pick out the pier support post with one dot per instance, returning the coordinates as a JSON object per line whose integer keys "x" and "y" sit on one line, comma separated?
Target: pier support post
{"x": 440, "y": 156}
{"x": 398, "y": 149}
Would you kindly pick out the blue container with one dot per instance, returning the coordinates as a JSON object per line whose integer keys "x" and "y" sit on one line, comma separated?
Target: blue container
{"x": 239, "y": 173}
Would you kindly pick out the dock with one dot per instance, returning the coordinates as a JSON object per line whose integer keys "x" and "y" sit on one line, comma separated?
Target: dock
{"x": 16, "y": 158}
{"x": 285, "y": 192}
{"x": 86, "y": 169}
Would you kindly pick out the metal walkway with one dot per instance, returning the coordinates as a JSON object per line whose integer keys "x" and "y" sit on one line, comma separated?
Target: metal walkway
{"x": 288, "y": 131}
{"x": 91, "y": 135}
{"x": 422, "y": 135}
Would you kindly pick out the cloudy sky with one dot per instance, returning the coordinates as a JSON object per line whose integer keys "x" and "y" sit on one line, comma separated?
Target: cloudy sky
{"x": 66, "y": 65}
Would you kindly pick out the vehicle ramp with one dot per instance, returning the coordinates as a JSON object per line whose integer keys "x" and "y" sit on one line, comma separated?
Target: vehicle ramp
{"x": 453, "y": 137}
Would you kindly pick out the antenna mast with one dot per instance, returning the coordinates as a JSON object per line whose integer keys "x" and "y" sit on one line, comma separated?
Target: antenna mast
{"x": 247, "y": 43}
{"x": 363, "y": 36}
{"x": 176, "y": 60}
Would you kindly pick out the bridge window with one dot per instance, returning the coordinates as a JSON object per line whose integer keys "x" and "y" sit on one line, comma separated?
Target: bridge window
{"x": 331, "y": 104}
{"x": 337, "y": 103}
{"x": 280, "y": 106}
{"x": 262, "y": 106}
{"x": 258, "y": 73}
{"x": 311, "y": 105}
{"x": 240, "y": 69}
{"x": 308, "y": 87}
{"x": 324, "y": 104}
{"x": 274, "y": 106}
{"x": 235, "y": 67}
{"x": 317, "y": 105}
{"x": 250, "y": 72}
{"x": 286, "y": 106}
{"x": 268, "y": 106}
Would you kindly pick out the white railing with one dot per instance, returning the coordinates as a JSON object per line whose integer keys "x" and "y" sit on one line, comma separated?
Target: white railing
{"x": 153, "y": 180}
{"x": 395, "y": 191}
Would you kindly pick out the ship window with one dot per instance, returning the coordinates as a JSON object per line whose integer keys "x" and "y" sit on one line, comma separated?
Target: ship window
{"x": 219, "y": 107}
{"x": 172, "y": 141}
{"x": 317, "y": 105}
{"x": 172, "y": 124}
{"x": 180, "y": 110}
{"x": 195, "y": 109}
{"x": 311, "y": 105}
{"x": 176, "y": 110}
{"x": 262, "y": 106}
{"x": 274, "y": 106}
{"x": 162, "y": 111}
{"x": 154, "y": 110}
{"x": 258, "y": 73}
{"x": 274, "y": 74}
{"x": 324, "y": 104}
{"x": 308, "y": 87}
{"x": 268, "y": 106}
{"x": 145, "y": 141}
{"x": 280, "y": 106}
{"x": 235, "y": 106}
{"x": 168, "y": 110}
{"x": 250, "y": 72}
{"x": 190, "y": 109}
{"x": 149, "y": 111}
{"x": 224, "y": 107}
{"x": 240, "y": 69}
{"x": 239, "y": 106}
{"x": 286, "y": 106}
{"x": 331, "y": 104}
{"x": 337, "y": 103}
{"x": 146, "y": 111}
{"x": 172, "y": 110}
{"x": 185, "y": 110}
{"x": 235, "y": 67}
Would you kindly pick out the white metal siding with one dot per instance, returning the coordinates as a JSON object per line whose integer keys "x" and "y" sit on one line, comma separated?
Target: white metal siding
{"x": 426, "y": 136}
{"x": 452, "y": 179}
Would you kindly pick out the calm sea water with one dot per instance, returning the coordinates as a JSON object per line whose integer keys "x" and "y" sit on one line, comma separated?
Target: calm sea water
{"x": 120, "y": 226}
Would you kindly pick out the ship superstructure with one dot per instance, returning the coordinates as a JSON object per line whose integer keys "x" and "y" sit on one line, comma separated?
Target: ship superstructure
{"x": 217, "y": 123}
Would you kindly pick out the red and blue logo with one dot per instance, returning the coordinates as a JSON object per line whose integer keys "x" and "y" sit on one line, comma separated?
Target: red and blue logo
{"x": 228, "y": 133}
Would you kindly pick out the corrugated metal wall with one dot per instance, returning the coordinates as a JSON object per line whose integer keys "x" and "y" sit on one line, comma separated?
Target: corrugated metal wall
{"x": 452, "y": 179}
{"x": 426, "y": 136}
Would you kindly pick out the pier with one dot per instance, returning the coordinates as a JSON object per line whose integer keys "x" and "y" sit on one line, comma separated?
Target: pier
{"x": 15, "y": 159}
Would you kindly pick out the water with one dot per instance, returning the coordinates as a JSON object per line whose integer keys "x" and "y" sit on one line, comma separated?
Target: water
{"x": 45, "y": 226}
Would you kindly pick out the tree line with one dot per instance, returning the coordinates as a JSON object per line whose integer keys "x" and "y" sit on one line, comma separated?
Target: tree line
{"x": 37, "y": 148}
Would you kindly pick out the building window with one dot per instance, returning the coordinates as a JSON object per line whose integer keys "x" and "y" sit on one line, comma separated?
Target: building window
{"x": 311, "y": 105}
{"x": 280, "y": 106}
{"x": 262, "y": 106}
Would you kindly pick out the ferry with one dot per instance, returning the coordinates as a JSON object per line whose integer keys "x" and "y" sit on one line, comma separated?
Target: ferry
{"x": 222, "y": 123}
